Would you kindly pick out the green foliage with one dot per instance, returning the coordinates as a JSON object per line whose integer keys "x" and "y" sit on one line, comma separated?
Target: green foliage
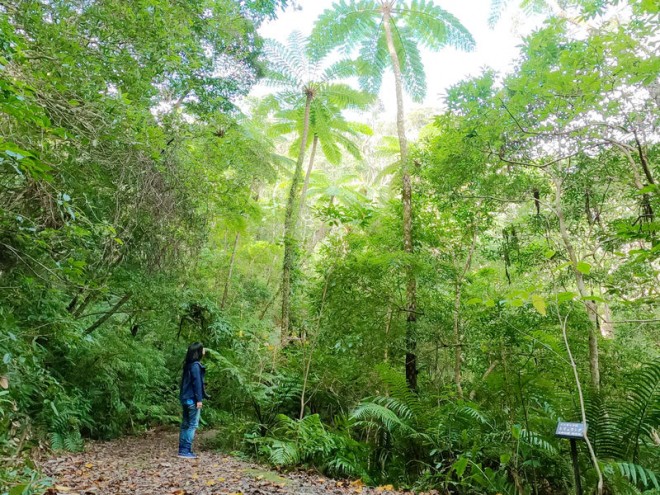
{"x": 140, "y": 211}
{"x": 356, "y": 25}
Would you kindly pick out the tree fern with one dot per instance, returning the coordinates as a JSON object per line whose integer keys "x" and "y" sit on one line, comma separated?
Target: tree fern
{"x": 496, "y": 9}
{"x": 346, "y": 24}
{"x": 434, "y": 27}
{"x": 356, "y": 26}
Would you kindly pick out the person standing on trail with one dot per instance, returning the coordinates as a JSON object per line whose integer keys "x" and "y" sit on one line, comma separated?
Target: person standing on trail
{"x": 191, "y": 395}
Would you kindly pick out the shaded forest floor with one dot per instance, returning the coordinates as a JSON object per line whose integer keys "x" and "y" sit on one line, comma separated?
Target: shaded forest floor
{"x": 148, "y": 465}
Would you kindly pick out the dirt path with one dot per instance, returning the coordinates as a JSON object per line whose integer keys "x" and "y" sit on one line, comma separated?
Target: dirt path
{"x": 148, "y": 465}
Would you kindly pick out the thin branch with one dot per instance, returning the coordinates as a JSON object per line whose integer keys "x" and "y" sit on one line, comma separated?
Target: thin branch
{"x": 564, "y": 322}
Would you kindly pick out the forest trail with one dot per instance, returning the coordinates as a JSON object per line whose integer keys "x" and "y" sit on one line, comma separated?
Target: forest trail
{"x": 148, "y": 465}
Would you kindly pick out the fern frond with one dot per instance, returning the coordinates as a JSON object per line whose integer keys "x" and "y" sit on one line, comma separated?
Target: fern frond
{"x": 603, "y": 432}
{"x": 637, "y": 474}
{"x": 373, "y": 414}
{"x": 281, "y": 69}
{"x": 412, "y": 67}
{"x": 372, "y": 62}
{"x": 342, "y": 69}
{"x": 496, "y": 9}
{"x": 344, "y": 96}
{"x": 283, "y": 453}
{"x": 536, "y": 441}
{"x": 346, "y": 24}
{"x": 641, "y": 410}
{"x": 471, "y": 411}
{"x": 434, "y": 27}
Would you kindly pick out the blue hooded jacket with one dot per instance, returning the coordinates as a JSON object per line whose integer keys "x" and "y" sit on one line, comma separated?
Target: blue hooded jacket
{"x": 192, "y": 383}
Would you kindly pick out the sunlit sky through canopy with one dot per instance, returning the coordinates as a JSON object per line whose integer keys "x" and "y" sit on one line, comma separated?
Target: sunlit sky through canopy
{"x": 496, "y": 48}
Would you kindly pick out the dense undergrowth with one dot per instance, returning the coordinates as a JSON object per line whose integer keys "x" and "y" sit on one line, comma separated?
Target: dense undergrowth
{"x": 140, "y": 210}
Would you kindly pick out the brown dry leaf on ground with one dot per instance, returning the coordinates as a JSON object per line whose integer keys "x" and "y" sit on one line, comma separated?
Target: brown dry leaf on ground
{"x": 148, "y": 465}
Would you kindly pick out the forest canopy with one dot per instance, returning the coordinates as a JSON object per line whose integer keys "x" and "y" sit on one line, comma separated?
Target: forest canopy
{"x": 414, "y": 301}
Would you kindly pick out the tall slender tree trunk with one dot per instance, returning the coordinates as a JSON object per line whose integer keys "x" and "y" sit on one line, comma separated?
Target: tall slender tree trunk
{"x": 290, "y": 221}
{"x": 225, "y": 292}
{"x": 406, "y": 197}
{"x": 458, "y": 338}
{"x": 458, "y": 355}
{"x": 591, "y": 307}
{"x": 310, "y": 167}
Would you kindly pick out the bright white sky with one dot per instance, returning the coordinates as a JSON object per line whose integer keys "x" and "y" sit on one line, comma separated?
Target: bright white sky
{"x": 496, "y": 48}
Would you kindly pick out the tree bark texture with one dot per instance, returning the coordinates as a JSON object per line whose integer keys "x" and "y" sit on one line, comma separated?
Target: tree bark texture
{"x": 310, "y": 167}
{"x": 591, "y": 307}
{"x": 406, "y": 197}
{"x": 290, "y": 221}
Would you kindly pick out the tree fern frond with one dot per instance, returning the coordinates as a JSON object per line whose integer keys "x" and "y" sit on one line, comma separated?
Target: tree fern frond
{"x": 530, "y": 7}
{"x": 296, "y": 51}
{"x": 389, "y": 146}
{"x": 360, "y": 128}
{"x": 350, "y": 146}
{"x": 412, "y": 67}
{"x": 372, "y": 62}
{"x": 344, "y": 96}
{"x": 496, "y": 9}
{"x": 281, "y": 70}
{"x": 347, "y": 24}
{"x": 331, "y": 151}
{"x": 434, "y": 27}
{"x": 341, "y": 69}
{"x": 282, "y": 127}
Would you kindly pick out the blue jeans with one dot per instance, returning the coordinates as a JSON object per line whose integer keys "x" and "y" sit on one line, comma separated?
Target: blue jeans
{"x": 189, "y": 424}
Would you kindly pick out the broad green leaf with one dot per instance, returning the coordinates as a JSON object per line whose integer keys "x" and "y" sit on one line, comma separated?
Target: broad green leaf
{"x": 562, "y": 266}
{"x": 18, "y": 489}
{"x": 648, "y": 189}
{"x": 539, "y": 304}
{"x": 460, "y": 465}
{"x": 566, "y": 296}
{"x": 583, "y": 267}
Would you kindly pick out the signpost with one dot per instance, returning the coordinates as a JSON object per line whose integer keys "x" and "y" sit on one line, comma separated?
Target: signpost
{"x": 573, "y": 431}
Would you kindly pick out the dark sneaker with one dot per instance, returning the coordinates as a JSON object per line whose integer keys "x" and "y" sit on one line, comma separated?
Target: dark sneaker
{"x": 189, "y": 455}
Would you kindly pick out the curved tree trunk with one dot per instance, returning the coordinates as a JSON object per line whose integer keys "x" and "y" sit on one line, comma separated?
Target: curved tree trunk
{"x": 406, "y": 197}
{"x": 290, "y": 221}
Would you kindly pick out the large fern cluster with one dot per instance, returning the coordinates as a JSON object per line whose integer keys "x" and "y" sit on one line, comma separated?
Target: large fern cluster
{"x": 625, "y": 432}
{"x": 309, "y": 442}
